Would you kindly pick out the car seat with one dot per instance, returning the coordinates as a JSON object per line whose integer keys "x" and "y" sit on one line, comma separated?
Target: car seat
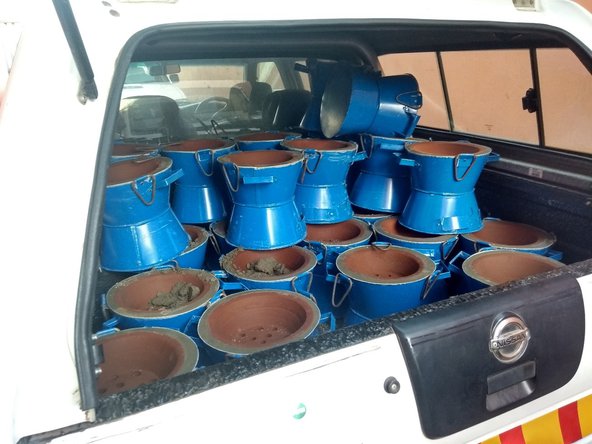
{"x": 152, "y": 117}
{"x": 284, "y": 110}
{"x": 247, "y": 100}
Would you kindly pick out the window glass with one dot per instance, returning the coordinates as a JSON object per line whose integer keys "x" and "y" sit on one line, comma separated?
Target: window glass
{"x": 566, "y": 99}
{"x": 200, "y": 81}
{"x": 304, "y": 77}
{"x": 268, "y": 72}
{"x": 486, "y": 89}
{"x": 424, "y": 66}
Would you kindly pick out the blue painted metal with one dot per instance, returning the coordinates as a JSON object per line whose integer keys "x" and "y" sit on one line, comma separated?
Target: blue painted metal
{"x": 262, "y": 186}
{"x": 369, "y": 218}
{"x": 319, "y": 73}
{"x": 129, "y": 300}
{"x": 384, "y": 279}
{"x": 438, "y": 286}
{"x": 327, "y": 242}
{"x": 321, "y": 192}
{"x": 267, "y": 140}
{"x": 140, "y": 230}
{"x": 436, "y": 247}
{"x": 382, "y": 184}
{"x": 218, "y": 233}
{"x": 443, "y": 179}
{"x": 352, "y": 317}
{"x": 194, "y": 255}
{"x": 198, "y": 197}
{"x": 497, "y": 233}
{"x": 359, "y": 102}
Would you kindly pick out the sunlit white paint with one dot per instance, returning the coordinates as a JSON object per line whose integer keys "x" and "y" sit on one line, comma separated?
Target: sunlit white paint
{"x": 49, "y": 142}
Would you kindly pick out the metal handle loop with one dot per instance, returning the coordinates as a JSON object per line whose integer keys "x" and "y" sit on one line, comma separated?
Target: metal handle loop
{"x": 214, "y": 243}
{"x": 456, "y": 163}
{"x": 369, "y": 150}
{"x": 443, "y": 254}
{"x": 306, "y": 169}
{"x": 429, "y": 283}
{"x": 345, "y": 294}
{"x": 234, "y": 189}
{"x": 308, "y": 284}
{"x": 216, "y": 126}
{"x": 152, "y": 192}
{"x": 382, "y": 246}
{"x": 200, "y": 162}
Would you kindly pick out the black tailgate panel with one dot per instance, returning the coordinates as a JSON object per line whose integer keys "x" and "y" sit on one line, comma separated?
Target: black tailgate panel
{"x": 456, "y": 379}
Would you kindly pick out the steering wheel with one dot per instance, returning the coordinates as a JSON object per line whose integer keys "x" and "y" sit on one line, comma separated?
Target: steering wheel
{"x": 217, "y": 105}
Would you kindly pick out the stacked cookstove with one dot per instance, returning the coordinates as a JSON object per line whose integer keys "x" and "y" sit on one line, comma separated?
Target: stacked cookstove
{"x": 289, "y": 256}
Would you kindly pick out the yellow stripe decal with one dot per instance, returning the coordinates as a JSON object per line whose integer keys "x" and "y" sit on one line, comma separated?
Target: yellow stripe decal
{"x": 585, "y": 415}
{"x": 543, "y": 430}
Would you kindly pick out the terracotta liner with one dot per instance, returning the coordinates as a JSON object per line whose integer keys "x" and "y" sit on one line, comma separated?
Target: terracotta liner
{"x": 193, "y": 145}
{"x": 390, "y": 227}
{"x": 256, "y": 320}
{"x": 505, "y": 234}
{"x": 319, "y": 145}
{"x": 198, "y": 236}
{"x": 131, "y": 297}
{"x": 384, "y": 265}
{"x": 343, "y": 233}
{"x": 496, "y": 267}
{"x": 141, "y": 356}
{"x": 374, "y": 216}
{"x": 261, "y": 158}
{"x": 263, "y": 137}
{"x": 297, "y": 259}
{"x": 447, "y": 149}
{"x": 129, "y": 149}
{"x": 130, "y": 170}
{"x": 219, "y": 228}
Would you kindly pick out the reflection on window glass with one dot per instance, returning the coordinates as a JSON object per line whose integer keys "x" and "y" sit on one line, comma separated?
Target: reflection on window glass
{"x": 304, "y": 77}
{"x": 200, "y": 81}
{"x": 424, "y": 67}
{"x": 268, "y": 72}
{"x": 566, "y": 99}
{"x": 486, "y": 90}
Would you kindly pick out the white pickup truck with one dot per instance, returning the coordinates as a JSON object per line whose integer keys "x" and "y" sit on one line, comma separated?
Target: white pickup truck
{"x": 514, "y": 75}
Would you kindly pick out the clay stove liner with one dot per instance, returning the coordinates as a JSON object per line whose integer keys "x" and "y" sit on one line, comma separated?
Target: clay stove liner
{"x": 262, "y": 137}
{"x": 511, "y": 234}
{"x": 198, "y": 236}
{"x": 219, "y": 228}
{"x": 129, "y": 149}
{"x": 342, "y": 233}
{"x": 130, "y": 170}
{"x": 447, "y": 149}
{"x": 297, "y": 259}
{"x": 381, "y": 265}
{"x": 390, "y": 227}
{"x": 256, "y": 320}
{"x": 261, "y": 158}
{"x": 141, "y": 356}
{"x": 319, "y": 145}
{"x": 197, "y": 145}
{"x": 497, "y": 267}
{"x": 131, "y": 297}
